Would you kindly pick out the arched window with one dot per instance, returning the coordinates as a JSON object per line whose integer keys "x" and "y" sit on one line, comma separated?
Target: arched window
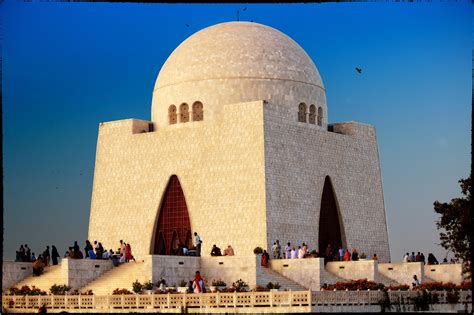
{"x": 320, "y": 116}
{"x": 172, "y": 115}
{"x": 302, "y": 112}
{"x": 197, "y": 111}
{"x": 183, "y": 113}
{"x": 312, "y": 114}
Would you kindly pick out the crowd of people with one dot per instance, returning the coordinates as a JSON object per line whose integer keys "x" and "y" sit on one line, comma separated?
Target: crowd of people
{"x": 431, "y": 260}
{"x": 97, "y": 251}
{"x": 48, "y": 257}
{"x": 216, "y": 251}
{"x": 302, "y": 251}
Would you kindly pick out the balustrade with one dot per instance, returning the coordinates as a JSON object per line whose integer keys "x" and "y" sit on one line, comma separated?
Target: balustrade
{"x": 213, "y": 300}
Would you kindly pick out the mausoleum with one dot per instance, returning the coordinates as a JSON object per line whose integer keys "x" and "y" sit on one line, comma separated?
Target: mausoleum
{"x": 238, "y": 149}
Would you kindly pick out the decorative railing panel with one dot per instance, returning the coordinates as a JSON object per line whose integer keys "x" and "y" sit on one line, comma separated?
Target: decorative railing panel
{"x": 375, "y": 297}
{"x": 215, "y": 300}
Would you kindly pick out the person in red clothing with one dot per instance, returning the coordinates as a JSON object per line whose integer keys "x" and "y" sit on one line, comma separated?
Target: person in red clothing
{"x": 265, "y": 258}
{"x": 198, "y": 283}
{"x": 347, "y": 255}
{"x": 128, "y": 253}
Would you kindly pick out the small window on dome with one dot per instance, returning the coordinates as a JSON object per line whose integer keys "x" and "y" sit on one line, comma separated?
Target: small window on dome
{"x": 198, "y": 111}
{"x": 183, "y": 113}
{"x": 172, "y": 114}
{"x": 320, "y": 116}
{"x": 302, "y": 112}
{"x": 312, "y": 114}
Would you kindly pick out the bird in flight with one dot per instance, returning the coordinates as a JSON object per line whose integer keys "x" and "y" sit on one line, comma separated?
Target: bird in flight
{"x": 244, "y": 9}
{"x": 359, "y": 70}
{"x": 187, "y": 25}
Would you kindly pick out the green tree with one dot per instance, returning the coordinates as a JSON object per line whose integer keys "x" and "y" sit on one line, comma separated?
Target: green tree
{"x": 455, "y": 223}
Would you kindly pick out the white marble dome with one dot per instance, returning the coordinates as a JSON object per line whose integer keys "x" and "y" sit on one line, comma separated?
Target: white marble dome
{"x": 237, "y": 62}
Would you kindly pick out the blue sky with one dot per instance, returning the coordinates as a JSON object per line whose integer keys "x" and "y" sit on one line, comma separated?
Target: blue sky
{"x": 69, "y": 66}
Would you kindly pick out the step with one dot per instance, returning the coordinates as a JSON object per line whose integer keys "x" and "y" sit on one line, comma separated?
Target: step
{"x": 265, "y": 275}
{"x": 51, "y": 275}
{"x": 331, "y": 278}
{"x": 120, "y": 277}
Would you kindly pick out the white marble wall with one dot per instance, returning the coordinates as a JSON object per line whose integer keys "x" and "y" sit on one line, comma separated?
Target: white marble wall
{"x": 402, "y": 272}
{"x": 172, "y": 268}
{"x": 14, "y": 272}
{"x": 298, "y": 157}
{"x": 79, "y": 272}
{"x": 444, "y": 273}
{"x": 353, "y": 270}
{"x": 227, "y": 268}
{"x": 307, "y": 271}
{"x": 231, "y": 268}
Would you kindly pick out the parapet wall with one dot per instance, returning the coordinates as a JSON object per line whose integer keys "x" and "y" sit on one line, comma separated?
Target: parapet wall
{"x": 227, "y": 268}
{"x": 80, "y": 272}
{"x": 402, "y": 273}
{"x": 444, "y": 273}
{"x": 306, "y": 272}
{"x": 172, "y": 268}
{"x": 13, "y": 272}
{"x": 362, "y": 269}
{"x": 231, "y": 268}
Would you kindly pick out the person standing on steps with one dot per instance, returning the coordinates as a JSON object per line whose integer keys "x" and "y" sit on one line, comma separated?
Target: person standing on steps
{"x": 341, "y": 253}
{"x": 265, "y": 258}
{"x": 88, "y": 248}
{"x": 27, "y": 253}
{"x": 54, "y": 255}
{"x": 197, "y": 243}
{"x": 198, "y": 283}
{"x": 288, "y": 251}
{"x": 46, "y": 255}
{"x": 278, "y": 249}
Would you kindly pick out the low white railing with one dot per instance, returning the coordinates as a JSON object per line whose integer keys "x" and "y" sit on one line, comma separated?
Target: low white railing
{"x": 230, "y": 300}
{"x": 375, "y": 297}
{"x": 163, "y": 301}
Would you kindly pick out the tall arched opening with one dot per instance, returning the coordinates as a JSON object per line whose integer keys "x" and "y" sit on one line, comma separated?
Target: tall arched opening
{"x": 331, "y": 229}
{"x": 173, "y": 225}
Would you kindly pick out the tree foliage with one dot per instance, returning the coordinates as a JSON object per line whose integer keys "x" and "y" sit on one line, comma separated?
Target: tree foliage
{"x": 455, "y": 223}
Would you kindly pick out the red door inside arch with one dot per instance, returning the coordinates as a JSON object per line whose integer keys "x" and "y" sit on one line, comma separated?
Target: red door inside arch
{"x": 173, "y": 225}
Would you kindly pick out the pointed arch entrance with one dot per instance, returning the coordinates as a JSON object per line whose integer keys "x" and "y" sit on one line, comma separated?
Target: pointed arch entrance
{"x": 173, "y": 225}
{"x": 331, "y": 229}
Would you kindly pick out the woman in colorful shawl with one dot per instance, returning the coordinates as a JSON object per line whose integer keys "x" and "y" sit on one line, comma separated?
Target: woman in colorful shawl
{"x": 198, "y": 283}
{"x": 265, "y": 258}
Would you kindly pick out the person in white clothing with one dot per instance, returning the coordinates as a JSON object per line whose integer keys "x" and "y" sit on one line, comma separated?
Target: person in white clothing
{"x": 300, "y": 252}
{"x": 294, "y": 253}
{"x": 288, "y": 251}
{"x": 405, "y": 258}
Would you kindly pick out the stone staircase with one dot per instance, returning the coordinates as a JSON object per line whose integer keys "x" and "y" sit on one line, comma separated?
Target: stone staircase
{"x": 331, "y": 278}
{"x": 52, "y": 275}
{"x": 380, "y": 278}
{"x": 120, "y": 277}
{"x": 265, "y": 275}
